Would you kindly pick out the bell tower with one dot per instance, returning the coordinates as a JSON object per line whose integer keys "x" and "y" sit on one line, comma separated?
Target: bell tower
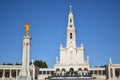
{"x": 71, "y": 56}
{"x": 71, "y": 34}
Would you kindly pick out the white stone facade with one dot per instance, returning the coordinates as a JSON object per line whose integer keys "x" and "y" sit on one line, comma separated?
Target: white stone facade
{"x": 71, "y": 56}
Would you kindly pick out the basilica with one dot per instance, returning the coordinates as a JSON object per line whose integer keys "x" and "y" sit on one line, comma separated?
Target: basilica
{"x": 71, "y": 64}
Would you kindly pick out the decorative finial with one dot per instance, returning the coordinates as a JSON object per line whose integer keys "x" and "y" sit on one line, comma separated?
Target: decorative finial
{"x": 27, "y": 28}
{"x": 87, "y": 58}
{"x": 70, "y": 8}
{"x": 60, "y": 45}
{"x": 32, "y": 62}
{"x": 57, "y": 60}
{"x": 81, "y": 45}
{"x": 110, "y": 61}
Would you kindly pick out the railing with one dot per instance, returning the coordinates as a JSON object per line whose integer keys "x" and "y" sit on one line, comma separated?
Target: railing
{"x": 71, "y": 75}
{"x": 70, "y": 78}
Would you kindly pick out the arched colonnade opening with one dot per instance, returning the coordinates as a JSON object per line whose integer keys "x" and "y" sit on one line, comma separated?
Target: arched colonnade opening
{"x": 71, "y": 72}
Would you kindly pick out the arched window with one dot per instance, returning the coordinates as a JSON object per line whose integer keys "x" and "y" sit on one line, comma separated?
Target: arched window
{"x": 70, "y": 20}
{"x": 70, "y": 35}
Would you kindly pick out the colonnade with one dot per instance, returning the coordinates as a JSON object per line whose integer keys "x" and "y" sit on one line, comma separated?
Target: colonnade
{"x": 9, "y": 73}
{"x": 98, "y": 72}
{"x": 112, "y": 73}
{"x": 45, "y": 72}
{"x": 12, "y": 72}
{"x": 62, "y": 73}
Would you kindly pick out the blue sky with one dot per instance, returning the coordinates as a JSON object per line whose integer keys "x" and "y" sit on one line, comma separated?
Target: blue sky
{"x": 97, "y": 25}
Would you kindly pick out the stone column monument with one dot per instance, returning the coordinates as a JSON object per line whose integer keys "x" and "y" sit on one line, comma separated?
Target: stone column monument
{"x": 25, "y": 71}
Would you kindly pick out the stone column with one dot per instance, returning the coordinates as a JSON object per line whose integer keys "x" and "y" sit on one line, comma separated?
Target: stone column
{"x": 93, "y": 72}
{"x": 33, "y": 73}
{"x": 113, "y": 70}
{"x": 109, "y": 73}
{"x": 16, "y": 74}
{"x": 50, "y": 73}
{"x": 28, "y": 57}
{"x": 42, "y": 72}
{"x": 3, "y": 76}
{"x": 25, "y": 71}
{"x": 84, "y": 73}
{"x": 87, "y": 73}
{"x": 101, "y": 72}
{"x": 10, "y": 74}
{"x": 97, "y": 72}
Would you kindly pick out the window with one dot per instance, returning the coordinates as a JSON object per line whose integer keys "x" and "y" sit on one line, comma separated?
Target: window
{"x": 70, "y": 35}
{"x": 70, "y": 20}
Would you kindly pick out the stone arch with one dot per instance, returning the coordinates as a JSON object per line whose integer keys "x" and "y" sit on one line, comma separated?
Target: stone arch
{"x": 63, "y": 70}
{"x": 79, "y": 71}
{"x": 71, "y": 70}
{"x": 57, "y": 70}
{"x": 85, "y": 69}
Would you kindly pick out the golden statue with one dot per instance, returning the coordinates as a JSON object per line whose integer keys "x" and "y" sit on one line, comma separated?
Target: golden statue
{"x": 27, "y": 28}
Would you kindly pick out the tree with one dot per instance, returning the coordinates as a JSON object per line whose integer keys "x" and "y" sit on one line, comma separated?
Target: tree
{"x": 7, "y": 64}
{"x": 18, "y": 63}
{"x": 40, "y": 64}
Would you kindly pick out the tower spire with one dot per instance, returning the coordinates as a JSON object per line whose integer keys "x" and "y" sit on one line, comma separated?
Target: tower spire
{"x": 71, "y": 35}
{"x": 70, "y": 9}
